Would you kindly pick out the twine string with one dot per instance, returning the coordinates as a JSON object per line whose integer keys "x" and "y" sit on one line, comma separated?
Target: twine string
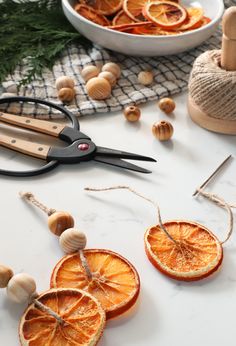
{"x": 85, "y": 264}
{"x": 29, "y": 197}
{"x": 141, "y": 196}
{"x": 48, "y": 310}
{"x": 221, "y": 203}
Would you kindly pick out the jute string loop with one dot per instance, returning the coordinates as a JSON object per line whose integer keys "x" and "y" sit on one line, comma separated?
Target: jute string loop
{"x": 139, "y": 195}
{"x": 28, "y": 196}
{"x": 221, "y": 203}
{"x": 214, "y": 198}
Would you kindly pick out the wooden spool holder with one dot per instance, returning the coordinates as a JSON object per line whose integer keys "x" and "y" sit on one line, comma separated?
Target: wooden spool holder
{"x": 228, "y": 63}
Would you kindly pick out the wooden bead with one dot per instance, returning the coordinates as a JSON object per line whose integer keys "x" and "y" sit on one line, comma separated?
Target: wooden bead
{"x": 21, "y": 288}
{"x": 163, "y": 130}
{"x": 145, "y": 77}
{"x": 65, "y": 82}
{"x": 110, "y": 77}
{"x": 72, "y": 240}
{"x": 66, "y": 94}
{"x": 167, "y": 105}
{"x": 5, "y": 275}
{"x": 132, "y": 113}
{"x": 113, "y": 68}
{"x": 98, "y": 88}
{"x": 59, "y": 221}
{"x": 89, "y": 72}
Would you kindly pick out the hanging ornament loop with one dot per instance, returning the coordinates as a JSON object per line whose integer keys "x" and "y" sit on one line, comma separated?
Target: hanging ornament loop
{"x": 28, "y": 196}
{"x": 123, "y": 187}
{"x": 221, "y": 203}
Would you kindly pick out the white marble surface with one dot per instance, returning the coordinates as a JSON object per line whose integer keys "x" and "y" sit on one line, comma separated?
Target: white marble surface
{"x": 169, "y": 313}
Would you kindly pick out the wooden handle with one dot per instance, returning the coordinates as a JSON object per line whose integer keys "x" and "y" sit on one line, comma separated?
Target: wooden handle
{"x": 32, "y": 149}
{"x": 228, "y": 58}
{"x": 47, "y": 127}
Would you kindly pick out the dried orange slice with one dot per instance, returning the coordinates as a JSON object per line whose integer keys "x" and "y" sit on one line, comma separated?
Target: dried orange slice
{"x": 133, "y": 9}
{"x": 198, "y": 254}
{"x": 129, "y": 27}
{"x": 165, "y": 14}
{"x": 83, "y": 320}
{"x": 195, "y": 15}
{"x": 203, "y": 22}
{"x": 105, "y": 7}
{"x": 90, "y": 14}
{"x": 122, "y": 18}
{"x": 115, "y": 282}
{"x": 154, "y": 30}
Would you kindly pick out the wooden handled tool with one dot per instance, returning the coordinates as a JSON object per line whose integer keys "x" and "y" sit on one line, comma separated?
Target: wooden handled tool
{"x": 228, "y": 58}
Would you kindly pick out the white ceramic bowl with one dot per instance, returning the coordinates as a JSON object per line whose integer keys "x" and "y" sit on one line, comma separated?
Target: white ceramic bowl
{"x": 148, "y": 45}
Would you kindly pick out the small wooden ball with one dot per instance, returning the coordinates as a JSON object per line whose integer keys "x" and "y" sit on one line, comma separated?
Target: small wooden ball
{"x": 59, "y": 221}
{"x": 110, "y": 77}
{"x": 72, "y": 240}
{"x": 145, "y": 77}
{"x": 163, "y": 130}
{"x": 167, "y": 105}
{"x": 5, "y": 275}
{"x": 21, "y": 288}
{"x": 89, "y": 72}
{"x": 98, "y": 88}
{"x": 132, "y": 113}
{"x": 65, "y": 82}
{"x": 113, "y": 68}
{"x": 66, "y": 94}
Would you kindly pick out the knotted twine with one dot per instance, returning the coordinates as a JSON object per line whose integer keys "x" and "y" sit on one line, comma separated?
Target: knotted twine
{"x": 212, "y": 88}
{"x": 29, "y": 197}
{"x": 214, "y": 198}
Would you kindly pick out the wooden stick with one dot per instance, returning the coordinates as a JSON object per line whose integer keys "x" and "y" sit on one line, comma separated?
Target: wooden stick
{"x": 228, "y": 57}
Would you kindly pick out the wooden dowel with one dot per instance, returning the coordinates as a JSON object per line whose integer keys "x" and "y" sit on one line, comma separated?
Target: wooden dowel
{"x": 228, "y": 58}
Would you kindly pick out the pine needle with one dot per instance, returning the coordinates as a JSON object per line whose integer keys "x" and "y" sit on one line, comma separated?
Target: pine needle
{"x": 37, "y": 31}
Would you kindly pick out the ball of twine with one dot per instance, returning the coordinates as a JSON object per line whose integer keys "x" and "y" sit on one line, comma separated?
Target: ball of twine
{"x": 213, "y": 89}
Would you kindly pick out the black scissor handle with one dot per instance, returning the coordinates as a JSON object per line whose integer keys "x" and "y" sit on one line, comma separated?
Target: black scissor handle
{"x": 52, "y": 164}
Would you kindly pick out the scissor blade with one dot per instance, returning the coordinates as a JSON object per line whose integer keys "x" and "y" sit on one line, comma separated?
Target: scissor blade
{"x": 120, "y": 163}
{"x": 107, "y": 152}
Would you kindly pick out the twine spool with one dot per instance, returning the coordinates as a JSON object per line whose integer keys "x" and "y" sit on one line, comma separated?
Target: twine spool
{"x": 212, "y": 89}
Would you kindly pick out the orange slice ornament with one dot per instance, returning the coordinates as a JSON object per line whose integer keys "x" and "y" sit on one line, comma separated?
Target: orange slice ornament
{"x": 90, "y": 14}
{"x": 195, "y": 254}
{"x": 184, "y": 250}
{"x": 113, "y": 280}
{"x": 103, "y": 273}
{"x": 166, "y": 14}
{"x": 79, "y": 320}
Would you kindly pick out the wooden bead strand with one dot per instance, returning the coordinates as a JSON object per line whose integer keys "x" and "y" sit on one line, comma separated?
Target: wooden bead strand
{"x": 21, "y": 289}
{"x": 61, "y": 224}
{"x": 58, "y": 221}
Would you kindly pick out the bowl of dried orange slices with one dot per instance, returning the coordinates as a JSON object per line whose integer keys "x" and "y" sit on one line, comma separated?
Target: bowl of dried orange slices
{"x": 145, "y": 27}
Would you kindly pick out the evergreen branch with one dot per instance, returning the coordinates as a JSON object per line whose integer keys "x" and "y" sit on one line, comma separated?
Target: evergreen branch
{"x": 34, "y": 30}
